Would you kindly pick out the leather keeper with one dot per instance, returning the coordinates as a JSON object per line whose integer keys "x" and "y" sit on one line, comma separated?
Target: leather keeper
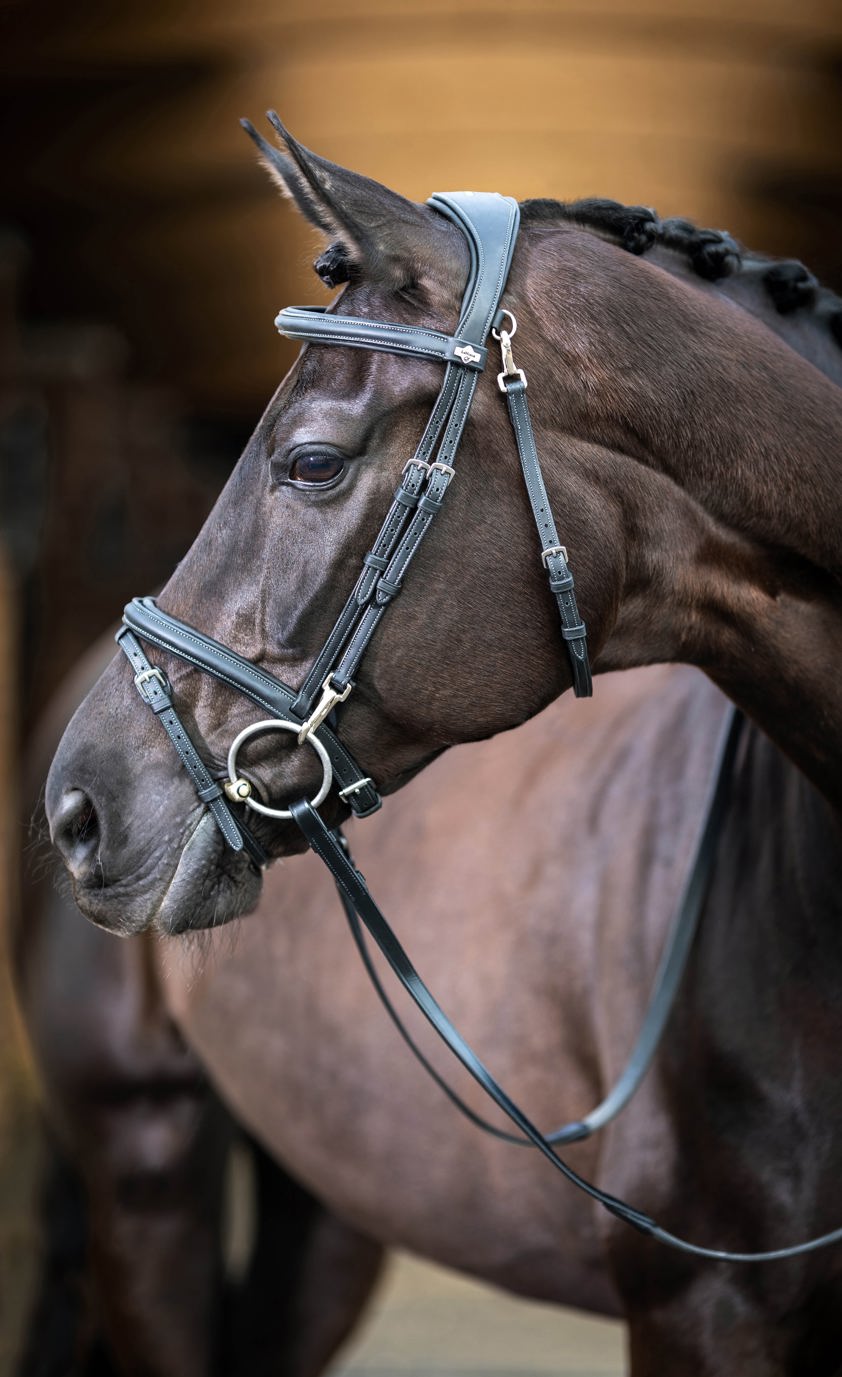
{"x": 386, "y": 591}
{"x": 406, "y": 499}
{"x": 372, "y": 561}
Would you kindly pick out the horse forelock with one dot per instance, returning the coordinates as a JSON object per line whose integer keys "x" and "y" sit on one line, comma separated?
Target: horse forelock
{"x": 712, "y": 254}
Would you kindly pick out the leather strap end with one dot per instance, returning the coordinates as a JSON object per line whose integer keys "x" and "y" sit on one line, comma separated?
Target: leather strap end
{"x": 386, "y": 591}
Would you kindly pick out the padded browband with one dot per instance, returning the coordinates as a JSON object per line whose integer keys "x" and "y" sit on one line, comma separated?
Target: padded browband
{"x": 312, "y": 323}
{"x": 489, "y": 224}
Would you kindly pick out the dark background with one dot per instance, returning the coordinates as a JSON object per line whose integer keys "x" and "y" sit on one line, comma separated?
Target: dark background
{"x": 143, "y": 254}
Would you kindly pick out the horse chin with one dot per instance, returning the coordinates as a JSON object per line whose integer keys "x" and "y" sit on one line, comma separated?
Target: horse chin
{"x": 208, "y": 888}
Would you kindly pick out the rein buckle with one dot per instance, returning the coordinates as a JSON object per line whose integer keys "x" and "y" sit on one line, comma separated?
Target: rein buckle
{"x": 328, "y": 701}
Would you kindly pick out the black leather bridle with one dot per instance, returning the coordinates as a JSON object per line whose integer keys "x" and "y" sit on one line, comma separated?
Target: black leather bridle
{"x": 490, "y": 225}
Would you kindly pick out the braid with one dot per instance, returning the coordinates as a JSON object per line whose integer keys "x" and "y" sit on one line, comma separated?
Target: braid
{"x": 636, "y": 227}
{"x": 790, "y": 285}
{"x": 713, "y": 254}
{"x": 334, "y": 266}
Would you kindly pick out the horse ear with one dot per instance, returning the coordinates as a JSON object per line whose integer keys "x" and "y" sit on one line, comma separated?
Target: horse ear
{"x": 387, "y": 237}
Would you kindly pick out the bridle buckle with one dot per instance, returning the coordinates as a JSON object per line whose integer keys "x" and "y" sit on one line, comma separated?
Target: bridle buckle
{"x": 418, "y": 463}
{"x": 554, "y": 550}
{"x": 153, "y": 672}
{"x": 355, "y": 787}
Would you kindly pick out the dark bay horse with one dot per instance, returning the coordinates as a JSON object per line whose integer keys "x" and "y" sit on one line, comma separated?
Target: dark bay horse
{"x": 692, "y": 458}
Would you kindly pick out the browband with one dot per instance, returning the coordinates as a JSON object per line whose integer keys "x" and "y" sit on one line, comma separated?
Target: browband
{"x": 314, "y": 324}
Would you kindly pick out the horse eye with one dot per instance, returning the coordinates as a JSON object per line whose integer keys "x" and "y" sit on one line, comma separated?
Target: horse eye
{"x": 316, "y": 468}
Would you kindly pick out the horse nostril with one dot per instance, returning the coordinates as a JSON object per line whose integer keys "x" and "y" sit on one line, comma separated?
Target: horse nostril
{"x": 75, "y": 830}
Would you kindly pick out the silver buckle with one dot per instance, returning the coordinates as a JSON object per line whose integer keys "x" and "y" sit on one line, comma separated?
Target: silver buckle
{"x": 419, "y": 464}
{"x": 355, "y": 788}
{"x": 554, "y": 550}
{"x": 152, "y": 673}
{"x": 443, "y": 468}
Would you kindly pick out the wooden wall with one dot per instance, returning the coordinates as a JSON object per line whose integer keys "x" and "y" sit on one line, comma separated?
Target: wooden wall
{"x": 141, "y": 191}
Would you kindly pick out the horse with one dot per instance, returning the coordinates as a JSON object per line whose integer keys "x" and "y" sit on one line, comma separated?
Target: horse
{"x": 692, "y": 452}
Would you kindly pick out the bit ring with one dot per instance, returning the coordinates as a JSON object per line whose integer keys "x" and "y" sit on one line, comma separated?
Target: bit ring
{"x": 274, "y": 724}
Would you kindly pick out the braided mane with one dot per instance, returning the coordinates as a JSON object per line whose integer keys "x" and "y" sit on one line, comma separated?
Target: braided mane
{"x": 713, "y": 254}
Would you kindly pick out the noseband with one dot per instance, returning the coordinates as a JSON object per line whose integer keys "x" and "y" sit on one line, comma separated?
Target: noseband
{"x": 489, "y": 224}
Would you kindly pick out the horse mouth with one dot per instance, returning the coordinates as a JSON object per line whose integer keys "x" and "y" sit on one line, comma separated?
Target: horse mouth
{"x": 209, "y": 886}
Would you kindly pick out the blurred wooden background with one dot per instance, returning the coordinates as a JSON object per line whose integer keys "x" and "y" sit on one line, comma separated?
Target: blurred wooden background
{"x": 143, "y": 256}
{"x": 139, "y": 192}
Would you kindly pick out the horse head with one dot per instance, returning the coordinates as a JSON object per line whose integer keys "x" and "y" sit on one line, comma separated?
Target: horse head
{"x": 639, "y": 387}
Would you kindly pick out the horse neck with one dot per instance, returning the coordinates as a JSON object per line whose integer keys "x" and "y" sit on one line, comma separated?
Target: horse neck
{"x": 721, "y": 449}
{"x": 806, "y": 329}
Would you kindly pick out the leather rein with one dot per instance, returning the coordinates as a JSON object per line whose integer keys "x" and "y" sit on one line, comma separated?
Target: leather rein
{"x": 490, "y": 225}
